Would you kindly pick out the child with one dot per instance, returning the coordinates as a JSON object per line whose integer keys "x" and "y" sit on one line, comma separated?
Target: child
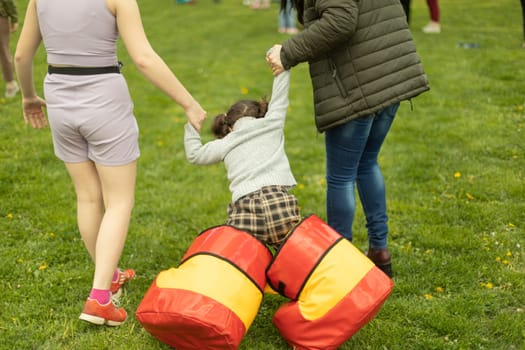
{"x": 250, "y": 141}
{"x": 333, "y": 288}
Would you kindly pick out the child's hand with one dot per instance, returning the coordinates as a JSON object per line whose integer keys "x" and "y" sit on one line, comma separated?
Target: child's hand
{"x": 33, "y": 109}
{"x": 196, "y": 115}
{"x": 273, "y": 57}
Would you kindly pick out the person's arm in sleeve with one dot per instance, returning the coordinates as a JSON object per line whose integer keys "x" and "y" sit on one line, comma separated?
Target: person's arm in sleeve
{"x": 196, "y": 152}
{"x": 279, "y": 101}
{"x": 336, "y": 25}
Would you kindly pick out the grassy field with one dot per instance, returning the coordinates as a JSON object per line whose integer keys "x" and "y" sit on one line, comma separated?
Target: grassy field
{"x": 454, "y": 165}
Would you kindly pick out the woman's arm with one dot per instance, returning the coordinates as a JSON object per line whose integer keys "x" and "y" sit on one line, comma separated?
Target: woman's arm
{"x": 26, "y": 48}
{"x": 336, "y": 24}
{"x": 150, "y": 64}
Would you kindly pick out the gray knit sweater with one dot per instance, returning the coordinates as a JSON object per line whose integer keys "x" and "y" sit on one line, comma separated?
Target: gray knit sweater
{"x": 253, "y": 153}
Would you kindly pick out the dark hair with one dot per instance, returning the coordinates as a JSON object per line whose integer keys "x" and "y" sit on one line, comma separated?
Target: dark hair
{"x": 223, "y": 123}
{"x": 298, "y": 5}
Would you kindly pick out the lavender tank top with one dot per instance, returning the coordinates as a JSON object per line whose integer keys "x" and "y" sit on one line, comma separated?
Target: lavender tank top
{"x": 78, "y": 32}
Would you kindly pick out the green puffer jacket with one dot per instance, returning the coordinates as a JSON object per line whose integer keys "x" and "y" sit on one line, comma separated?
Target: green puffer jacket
{"x": 362, "y": 58}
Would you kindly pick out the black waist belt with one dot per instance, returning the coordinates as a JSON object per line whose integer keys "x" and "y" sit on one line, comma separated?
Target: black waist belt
{"x": 83, "y": 70}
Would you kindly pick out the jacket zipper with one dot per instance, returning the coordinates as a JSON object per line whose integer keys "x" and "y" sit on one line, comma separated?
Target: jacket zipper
{"x": 338, "y": 81}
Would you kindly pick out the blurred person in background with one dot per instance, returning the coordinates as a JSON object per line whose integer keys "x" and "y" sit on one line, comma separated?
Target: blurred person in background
{"x": 8, "y": 25}
{"x": 523, "y": 21}
{"x": 434, "y": 26}
{"x": 287, "y": 19}
{"x": 259, "y": 4}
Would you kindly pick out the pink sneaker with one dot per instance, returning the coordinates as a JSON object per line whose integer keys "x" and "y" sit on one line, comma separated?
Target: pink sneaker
{"x": 123, "y": 277}
{"x": 106, "y": 314}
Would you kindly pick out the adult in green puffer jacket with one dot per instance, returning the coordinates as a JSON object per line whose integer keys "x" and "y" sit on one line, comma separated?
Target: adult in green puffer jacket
{"x": 363, "y": 63}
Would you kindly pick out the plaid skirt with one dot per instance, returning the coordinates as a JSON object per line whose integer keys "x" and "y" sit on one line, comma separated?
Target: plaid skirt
{"x": 269, "y": 214}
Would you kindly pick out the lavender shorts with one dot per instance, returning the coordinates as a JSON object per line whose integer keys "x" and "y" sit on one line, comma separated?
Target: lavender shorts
{"x": 91, "y": 118}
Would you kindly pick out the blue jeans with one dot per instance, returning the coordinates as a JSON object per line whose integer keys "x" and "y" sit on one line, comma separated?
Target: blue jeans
{"x": 287, "y": 16}
{"x": 351, "y": 158}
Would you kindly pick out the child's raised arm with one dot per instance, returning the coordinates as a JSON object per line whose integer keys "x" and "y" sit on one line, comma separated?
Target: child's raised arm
{"x": 279, "y": 101}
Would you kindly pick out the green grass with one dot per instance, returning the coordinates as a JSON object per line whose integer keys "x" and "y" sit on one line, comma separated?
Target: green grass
{"x": 454, "y": 165}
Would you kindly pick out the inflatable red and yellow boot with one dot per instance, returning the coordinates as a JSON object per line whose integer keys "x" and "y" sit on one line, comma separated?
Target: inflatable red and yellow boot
{"x": 210, "y": 300}
{"x": 334, "y": 288}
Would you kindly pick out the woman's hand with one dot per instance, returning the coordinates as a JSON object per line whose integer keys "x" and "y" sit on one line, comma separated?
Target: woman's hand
{"x": 196, "y": 115}
{"x": 33, "y": 109}
{"x": 273, "y": 58}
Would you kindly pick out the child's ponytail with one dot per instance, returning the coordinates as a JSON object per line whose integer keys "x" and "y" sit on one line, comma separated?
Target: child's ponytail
{"x": 263, "y": 108}
{"x": 223, "y": 123}
{"x": 220, "y": 127}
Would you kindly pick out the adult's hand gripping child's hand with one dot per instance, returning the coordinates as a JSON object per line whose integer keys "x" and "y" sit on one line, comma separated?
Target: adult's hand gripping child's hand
{"x": 196, "y": 115}
{"x": 273, "y": 58}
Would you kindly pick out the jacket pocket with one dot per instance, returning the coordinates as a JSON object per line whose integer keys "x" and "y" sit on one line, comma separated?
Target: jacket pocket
{"x": 337, "y": 79}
